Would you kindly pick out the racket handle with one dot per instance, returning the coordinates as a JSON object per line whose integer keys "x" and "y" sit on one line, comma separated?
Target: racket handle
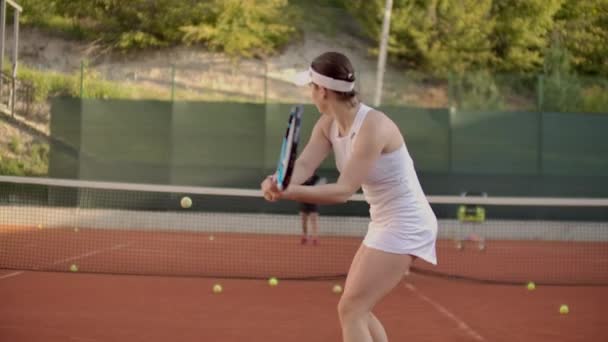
{"x": 274, "y": 180}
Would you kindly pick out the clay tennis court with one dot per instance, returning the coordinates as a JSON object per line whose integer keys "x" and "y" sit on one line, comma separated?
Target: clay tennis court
{"x": 115, "y": 296}
{"x": 129, "y": 265}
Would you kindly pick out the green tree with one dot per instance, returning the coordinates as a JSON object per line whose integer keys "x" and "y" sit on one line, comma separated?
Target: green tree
{"x": 369, "y": 14}
{"x": 137, "y": 23}
{"x": 436, "y": 36}
{"x": 247, "y": 28}
{"x": 442, "y": 35}
{"x": 521, "y": 32}
{"x": 36, "y": 10}
{"x": 582, "y": 25}
{"x": 562, "y": 89}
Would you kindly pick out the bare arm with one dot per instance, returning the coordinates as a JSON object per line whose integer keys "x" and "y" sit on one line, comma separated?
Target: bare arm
{"x": 372, "y": 139}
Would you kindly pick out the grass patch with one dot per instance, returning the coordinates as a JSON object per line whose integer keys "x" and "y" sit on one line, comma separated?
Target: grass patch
{"x": 32, "y": 160}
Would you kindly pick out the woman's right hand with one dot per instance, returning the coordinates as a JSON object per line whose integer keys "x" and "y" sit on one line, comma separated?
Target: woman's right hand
{"x": 270, "y": 189}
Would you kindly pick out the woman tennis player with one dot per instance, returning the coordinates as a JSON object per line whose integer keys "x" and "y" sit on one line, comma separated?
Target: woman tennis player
{"x": 370, "y": 153}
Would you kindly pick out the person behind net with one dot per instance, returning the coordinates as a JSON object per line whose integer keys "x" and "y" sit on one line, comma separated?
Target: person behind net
{"x": 371, "y": 154}
{"x": 310, "y": 212}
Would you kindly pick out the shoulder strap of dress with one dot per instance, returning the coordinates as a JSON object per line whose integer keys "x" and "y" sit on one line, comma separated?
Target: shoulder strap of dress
{"x": 360, "y": 118}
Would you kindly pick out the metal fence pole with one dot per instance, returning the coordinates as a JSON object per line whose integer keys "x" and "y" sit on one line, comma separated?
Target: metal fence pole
{"x": 81, "y": 79}
{"x": 2, "y": 40}
{"x": 15, "y": 56}
{"x": 172, "y": 82}
{"x": 386, "y": 23}
{"x": 540, "y": 104}
{"x": 540, "y": 92}
{"x": 265, "y": 82}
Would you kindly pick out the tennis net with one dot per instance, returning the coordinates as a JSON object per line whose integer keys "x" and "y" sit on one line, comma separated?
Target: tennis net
{"x": 120, "y": 228}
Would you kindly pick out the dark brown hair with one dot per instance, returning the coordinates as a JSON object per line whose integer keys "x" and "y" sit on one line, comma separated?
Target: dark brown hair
{"x": 337, "y": 66}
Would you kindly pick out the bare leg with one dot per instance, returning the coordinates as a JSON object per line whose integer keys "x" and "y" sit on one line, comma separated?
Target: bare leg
{"x": 376, "y": 329}
{"x": 304, "y": 217}
{"x": 373, "y": 274}
{"x": 314, "y": 222}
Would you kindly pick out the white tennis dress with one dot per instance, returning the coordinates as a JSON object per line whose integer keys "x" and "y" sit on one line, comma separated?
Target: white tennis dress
{"x": 402, "y": 220}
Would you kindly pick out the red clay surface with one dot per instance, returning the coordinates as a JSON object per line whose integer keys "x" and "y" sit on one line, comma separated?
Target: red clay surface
{"x": 87, "y": 306}
{"x": 41, "y": 306}
{"x": 155, "y": 252}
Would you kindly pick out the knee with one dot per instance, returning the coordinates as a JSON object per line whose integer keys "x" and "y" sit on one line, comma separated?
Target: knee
{"x": 349, "y": 309}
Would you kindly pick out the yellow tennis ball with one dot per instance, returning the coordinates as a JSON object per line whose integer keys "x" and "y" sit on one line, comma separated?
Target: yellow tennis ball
{"x": 337, "y": 288}
{"x": 273, "y": 281}
{"x": 39, "y": 226}
{"x": 459, "y": 245}
{"x": 74, "y": 268}
{"x": 564, "y": 309}
{"x": 531, "y": 286}
{"x": 186, "y": 202}
{"x": 217, "y": 288}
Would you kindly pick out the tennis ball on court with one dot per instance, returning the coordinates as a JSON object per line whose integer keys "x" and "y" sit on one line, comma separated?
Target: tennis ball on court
{"x": 186, "y": 202}
{"x": 74, "y": 268}
{"x": 217, "y": 288}
{"x": 531, "y": 286}
{"x": 39, "y": 226}
{"x": 273, "y": 281}
{"x": 337, "y": 288}
{"x": 564, "y": 309}
{"x": 211, "y": 238}
{"x": 459, "y": 245}
{"x": 75, "y": 230}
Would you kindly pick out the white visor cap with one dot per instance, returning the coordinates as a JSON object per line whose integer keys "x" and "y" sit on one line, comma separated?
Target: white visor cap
{"x": 307, "y": 76}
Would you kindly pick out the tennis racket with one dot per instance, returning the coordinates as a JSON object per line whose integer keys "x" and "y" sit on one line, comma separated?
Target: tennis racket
{"x": 289, "y": 148}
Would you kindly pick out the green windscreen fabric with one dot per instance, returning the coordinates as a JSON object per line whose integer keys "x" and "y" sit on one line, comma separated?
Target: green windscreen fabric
{"x": 64, "y": 160}
{"x": 575, "y": 144}
{"x": 495, "y": 142}
{"x": 66, "y": 114}
{"x": 236, "y": 144}
{"x": 125, "y": 141}
{"x": 217, "y": 144}
{"x": 426, "y": 133}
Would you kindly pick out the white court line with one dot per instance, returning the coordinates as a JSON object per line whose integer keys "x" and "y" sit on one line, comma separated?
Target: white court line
{"x": 441, "y": 309}
{"x": 85, "y": 255}
{"x": 11, "y": 275}
{"x": 113, "y": 248}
